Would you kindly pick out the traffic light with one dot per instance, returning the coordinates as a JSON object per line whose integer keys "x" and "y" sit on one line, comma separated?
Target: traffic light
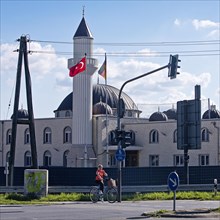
{"x": 115, "y": 136}
{"x": 127, "y": 138}
{"x": 113, "y": 139}
{"x": 173, "y": 65}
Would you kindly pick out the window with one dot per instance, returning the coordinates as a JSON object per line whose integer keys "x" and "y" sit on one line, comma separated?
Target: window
{"x": 47, "y": 136}
{"x": 112, "y": 160}
{"x": 47, "y": 158}
{"x": 65, "y": 158}
{"x": 27, "y": 159}
{"x": 27, "y": 136}
{"x": 8, "y": 136}
{"x": 67, "y": 114}
{"x": 175, "y": 136}
{"x": 205, "y": 135}
{"x": 203, "y": 160}
{"x": 130, "y": 114}
{"x": 67, "y": 135}
{"x": 178, "y": 160}
{"x": 154, "y": 136}
{"x": 154, "y": 160}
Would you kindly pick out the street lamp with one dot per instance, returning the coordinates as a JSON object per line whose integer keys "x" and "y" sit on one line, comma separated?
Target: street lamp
{"x": 119, "y": 107}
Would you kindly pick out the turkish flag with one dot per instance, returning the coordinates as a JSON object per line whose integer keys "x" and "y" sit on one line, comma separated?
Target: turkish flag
{"x": 78, "y": 68}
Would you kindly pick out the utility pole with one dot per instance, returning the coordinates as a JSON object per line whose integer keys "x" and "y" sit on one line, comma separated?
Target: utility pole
{"x": 15, "y": 121}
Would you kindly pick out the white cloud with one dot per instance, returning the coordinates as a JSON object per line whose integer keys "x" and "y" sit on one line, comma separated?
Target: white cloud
{"x": 147, "y": 52}
{"x": 214, "y": 34}
{"x": 198, "y": 24}
{"x": 177, "y": 22}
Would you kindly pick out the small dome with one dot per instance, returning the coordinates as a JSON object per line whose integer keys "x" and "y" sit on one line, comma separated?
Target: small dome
{"x": 158, "y": 116}
{"x": 212, "y": 113}
{"x": 22, "y": 114}
{"x": 171, "y": 113}
{"x": 100, "y": 109}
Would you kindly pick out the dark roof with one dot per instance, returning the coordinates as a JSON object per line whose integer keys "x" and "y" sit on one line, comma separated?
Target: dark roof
{"x": 101, "y": 92}
{"x": 171, "y": 113}
{"x": 22, "y": 114}
{"x": 83, "y": 30}
{"x": 212, "y": 112}
{"x": 158, "y": 116}
{"x": 100, "y": 109}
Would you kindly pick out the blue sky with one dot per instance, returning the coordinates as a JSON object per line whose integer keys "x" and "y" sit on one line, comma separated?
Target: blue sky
{"x": 142, "y": 27}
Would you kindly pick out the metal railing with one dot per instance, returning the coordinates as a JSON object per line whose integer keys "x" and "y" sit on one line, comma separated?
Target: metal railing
{"x": 125, "y": 189}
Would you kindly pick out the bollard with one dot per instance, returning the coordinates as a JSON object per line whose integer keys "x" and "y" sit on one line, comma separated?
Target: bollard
{"x": 215, "y": 186}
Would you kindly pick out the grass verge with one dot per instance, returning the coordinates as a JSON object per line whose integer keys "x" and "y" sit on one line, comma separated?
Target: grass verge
{"x": 14, "y": 198}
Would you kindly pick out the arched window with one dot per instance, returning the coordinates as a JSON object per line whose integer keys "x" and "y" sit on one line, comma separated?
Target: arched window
{"x": 205, "y": 135}
{"x": 67, "y": 135}
{"x": 65, "y": 158}
{"x": 47, "y": 136}
{"x": 154, "y": 136}
{"x": 27, "y": 136}
{"x": 67, "y": 114}
{"x": 47, "y": 158}
{"x": 7, "y": 157}
{"x": 175, "y": 136}
{"x": 27, "y": 159}
{"x": 8, "y": 136}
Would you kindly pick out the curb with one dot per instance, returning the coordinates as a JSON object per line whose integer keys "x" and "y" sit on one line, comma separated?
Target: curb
{"x": 197, "y": 213}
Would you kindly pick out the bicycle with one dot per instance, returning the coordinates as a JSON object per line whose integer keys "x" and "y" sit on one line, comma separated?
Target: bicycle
{"x": 110, "y": 193}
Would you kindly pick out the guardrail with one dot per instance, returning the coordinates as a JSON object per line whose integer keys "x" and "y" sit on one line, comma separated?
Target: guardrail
{"x": 125, "y": 189}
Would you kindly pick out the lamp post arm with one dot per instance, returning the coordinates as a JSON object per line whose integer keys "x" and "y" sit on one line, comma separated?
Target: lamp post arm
{"x": 128, "y": 81}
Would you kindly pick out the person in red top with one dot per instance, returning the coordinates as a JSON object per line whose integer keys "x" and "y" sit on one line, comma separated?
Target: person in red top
{"x": 100, "y": 174}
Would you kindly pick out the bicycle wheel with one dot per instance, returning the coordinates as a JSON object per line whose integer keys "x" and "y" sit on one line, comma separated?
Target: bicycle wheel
{"x": 112, "y": 195}
{"x": 94, "y": 194}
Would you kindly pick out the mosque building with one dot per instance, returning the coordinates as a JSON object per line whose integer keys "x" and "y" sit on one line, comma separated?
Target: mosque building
{"x": 80, "y": 134}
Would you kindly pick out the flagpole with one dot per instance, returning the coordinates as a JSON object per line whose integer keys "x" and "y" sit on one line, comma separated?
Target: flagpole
{"x": 106, "y": 111}
{"x": 85, "y": 147}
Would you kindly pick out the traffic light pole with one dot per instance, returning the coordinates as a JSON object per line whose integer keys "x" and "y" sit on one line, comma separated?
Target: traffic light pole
{"x": 119, "y": 122}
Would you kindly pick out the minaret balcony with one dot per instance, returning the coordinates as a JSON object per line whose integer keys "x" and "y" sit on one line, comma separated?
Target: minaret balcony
{"x": 89, "y": 61}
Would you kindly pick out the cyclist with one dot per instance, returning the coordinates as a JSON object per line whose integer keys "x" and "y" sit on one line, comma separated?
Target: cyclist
{"x": 100, "y": 174}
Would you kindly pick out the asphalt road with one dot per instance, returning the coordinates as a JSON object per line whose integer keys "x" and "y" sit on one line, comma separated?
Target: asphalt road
{"x": 98, "y": 211}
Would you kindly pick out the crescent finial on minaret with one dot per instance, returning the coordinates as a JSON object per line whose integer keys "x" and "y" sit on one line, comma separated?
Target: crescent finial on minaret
{"x": 83, "y": 12}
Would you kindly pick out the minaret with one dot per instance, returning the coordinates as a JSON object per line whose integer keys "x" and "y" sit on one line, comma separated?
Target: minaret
{"x": 82, "y": 88}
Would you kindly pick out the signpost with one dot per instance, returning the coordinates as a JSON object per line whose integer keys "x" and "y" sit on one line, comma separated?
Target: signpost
{"x": 173, "y": 183}
{"x": 189, "y": 127}
{"x": 120, "y": 154}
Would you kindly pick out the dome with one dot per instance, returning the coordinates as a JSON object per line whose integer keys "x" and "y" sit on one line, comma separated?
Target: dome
{"x": 100, "y": 109}
{"x": 101, "y": 92}
{"x": 22, "y": 114}
{"x": 158, "y": 116}
{"x": 212, "y": 113}
{"x": 171, "y": 113}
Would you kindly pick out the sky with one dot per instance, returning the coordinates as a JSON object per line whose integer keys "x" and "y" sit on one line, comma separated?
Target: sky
{"x": 137, "y": 37}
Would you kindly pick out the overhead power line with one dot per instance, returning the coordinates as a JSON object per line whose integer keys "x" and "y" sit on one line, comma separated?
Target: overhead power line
{"x": 141, "y": 54}
{"x": 171, "y": 43}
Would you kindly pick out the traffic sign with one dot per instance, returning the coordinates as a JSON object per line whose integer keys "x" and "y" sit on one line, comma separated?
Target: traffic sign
{"x": 173, "y": 181}
{"x": 120, "y": 154}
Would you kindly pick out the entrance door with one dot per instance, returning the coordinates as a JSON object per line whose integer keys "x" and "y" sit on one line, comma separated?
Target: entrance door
{"x": 131, "y": 159}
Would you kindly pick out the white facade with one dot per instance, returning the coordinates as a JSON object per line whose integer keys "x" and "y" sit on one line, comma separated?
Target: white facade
{"x": 54, "y": 147}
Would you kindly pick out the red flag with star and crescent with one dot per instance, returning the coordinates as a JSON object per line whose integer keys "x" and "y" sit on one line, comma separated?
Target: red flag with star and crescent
{"x": 78, "y": 68}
